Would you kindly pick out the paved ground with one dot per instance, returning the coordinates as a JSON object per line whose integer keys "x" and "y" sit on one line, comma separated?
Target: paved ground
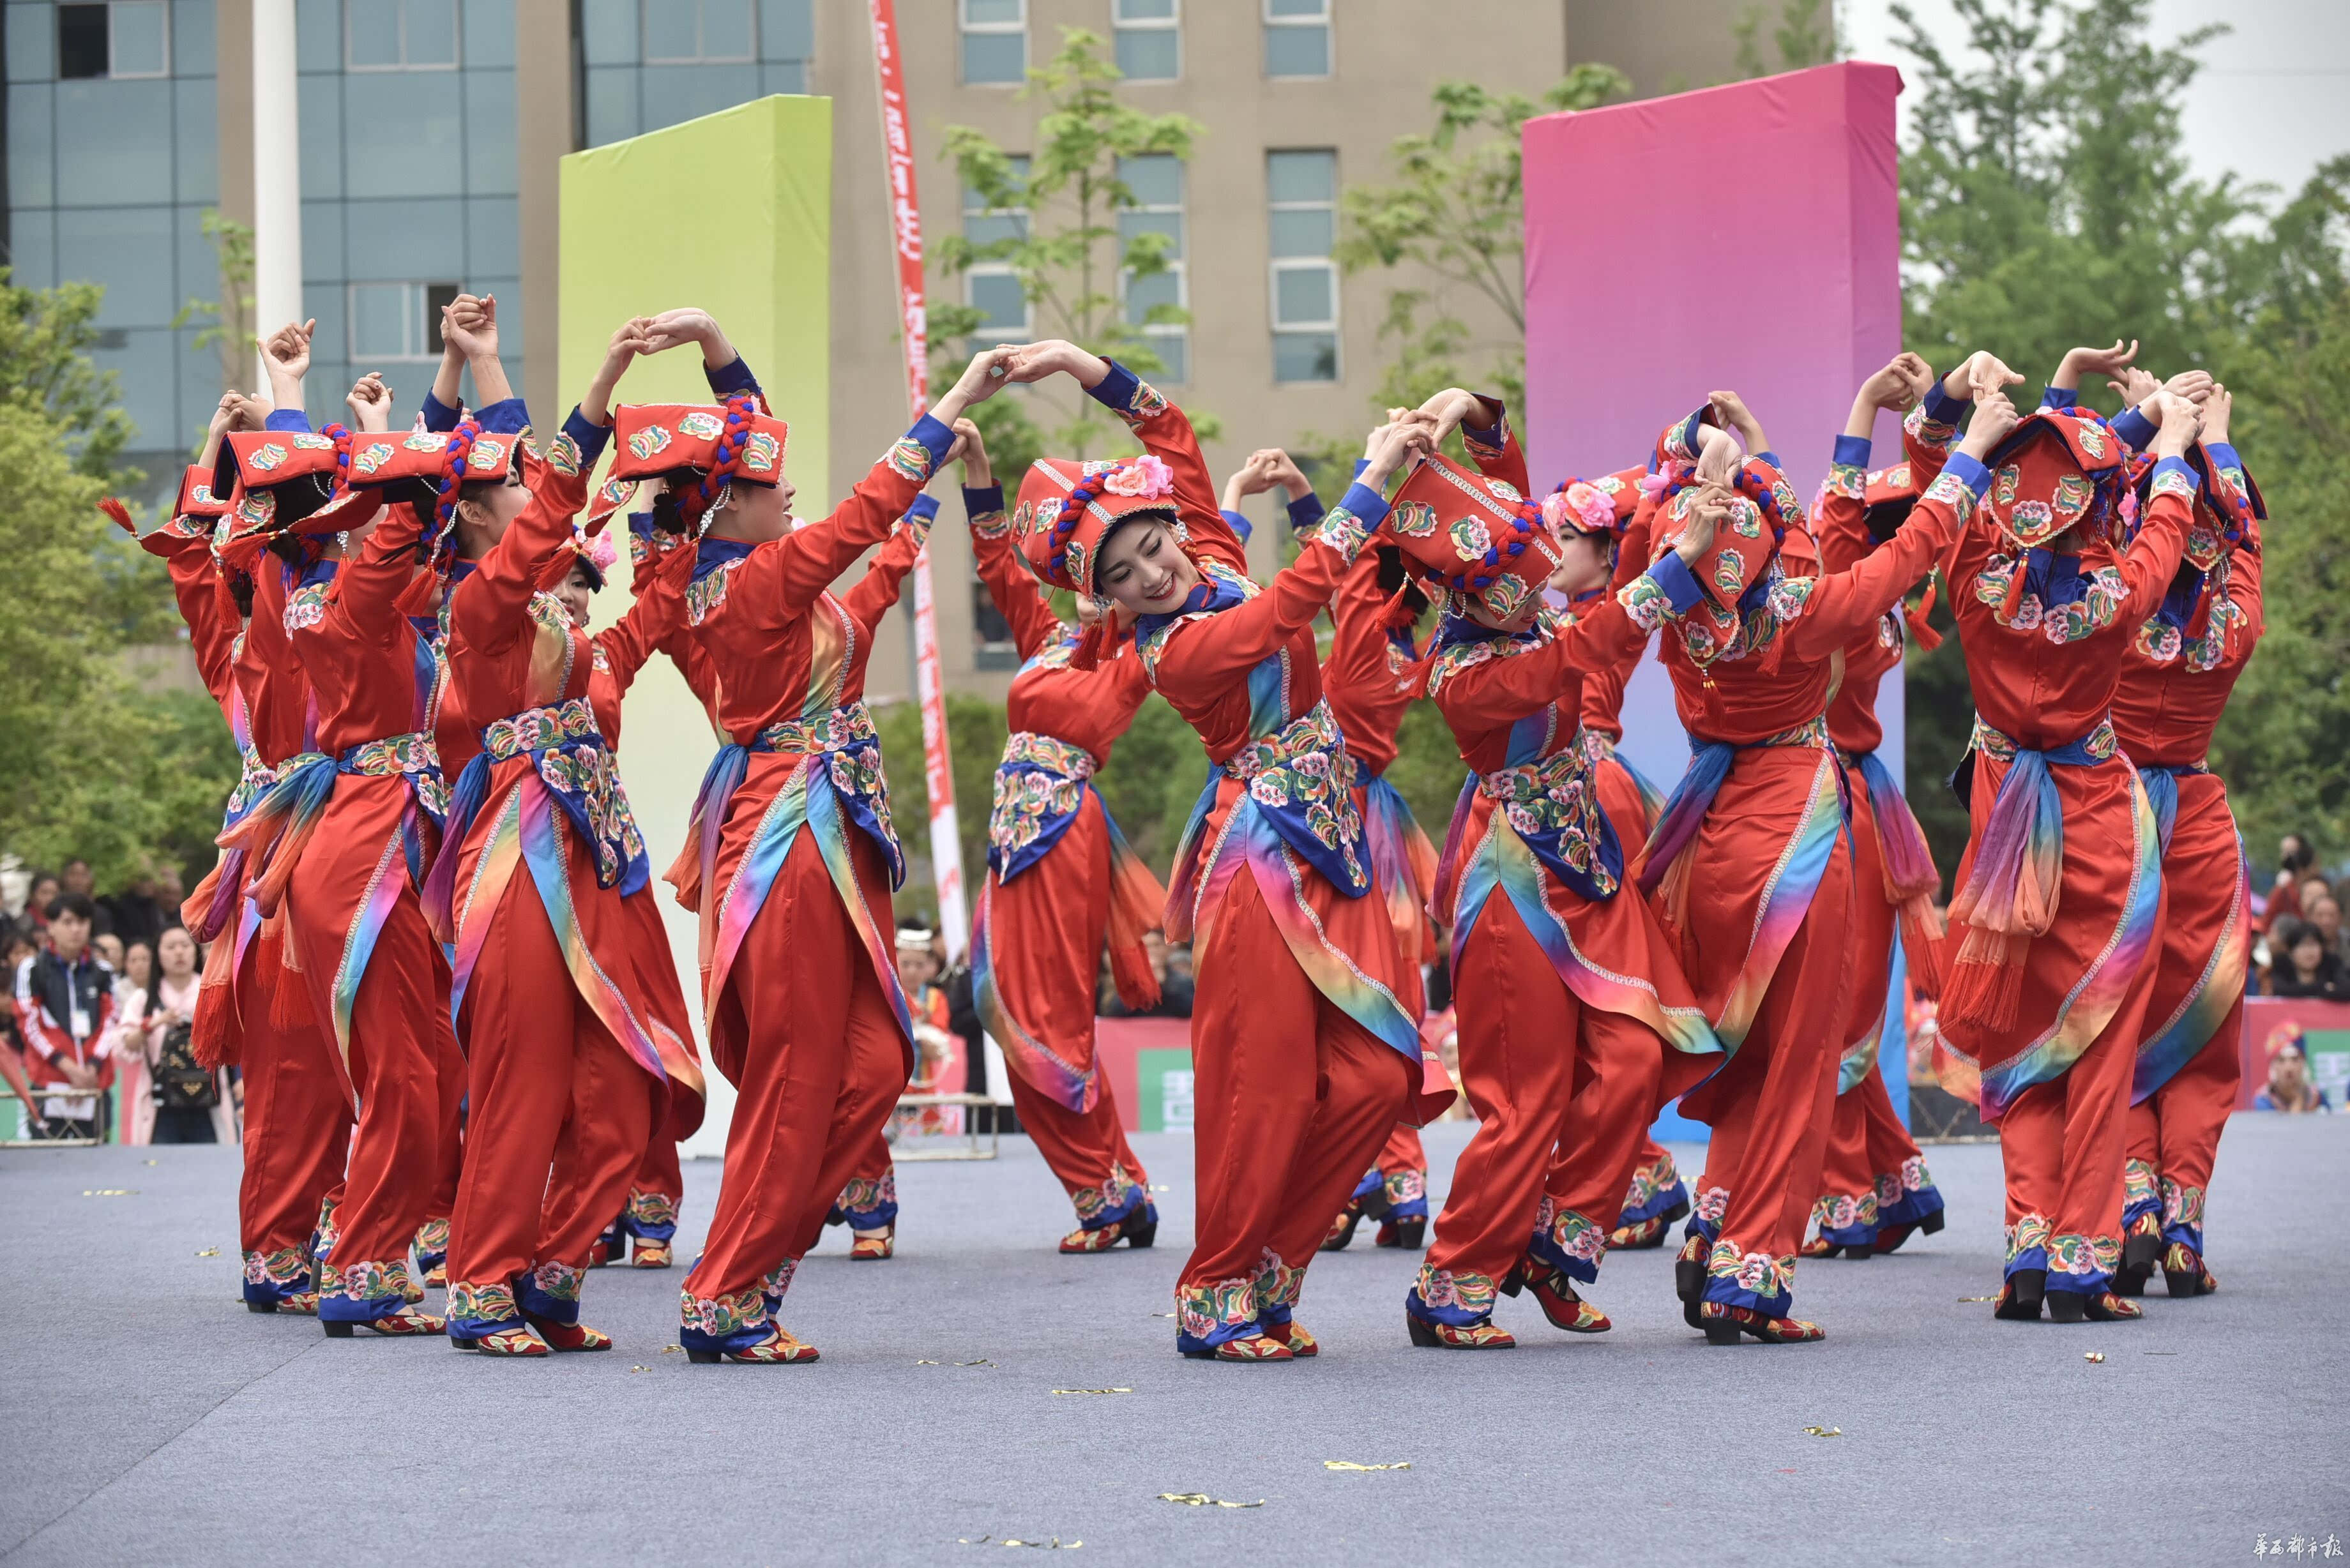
{"x": 149, "y": 1420}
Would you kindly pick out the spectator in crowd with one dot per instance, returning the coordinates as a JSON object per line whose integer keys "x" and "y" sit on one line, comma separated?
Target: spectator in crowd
{"x": 2295, "y": 858}
{"x": 139, "y": 914}
{"x": 2289, "y": 1087}
{"x": 36, "y": 905}
{"x": 75, "y": 877}
{"x": 186, "y": 1104}
{"x": 135, "y": 973}
{"x": 1172, "y": 966}
{"x": 17, "y": 944}
{"x": 64, "y": 999}
{"x": 107, "y": 947}
{"x": 2300, "y": 965}
{"x": 2325, "y": 914}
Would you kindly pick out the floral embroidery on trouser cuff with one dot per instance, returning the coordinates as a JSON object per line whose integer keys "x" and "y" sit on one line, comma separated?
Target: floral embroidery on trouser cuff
{"x": 868, "y": 1202}
{"x": 735, "y": 1322}
{"x": 1118, "y": 1198}
{"x": 1209, "y": 1316}
{"x": 1442, "y": 1297}
{"x": 323, "y": 1238}
{"x": 1407, "y": 1194}
{"x": 274, "y": 1276}
{"x": 1917, "y": 1195}
{"x": 2027, "y": 1243}
{"x": 1569, "y": 1242}
{"x": 778, "y": 1283}
{"x": 476, "y": 1311}
{"x": 550, "y": 1291}
{"x": 1277, "y": 1286}
{"x": 2083, "y": 1263}
{"x": 2141, "y": 1195}
{"x": 1705, "y": 1219}
{"x": 1659, "y": 1179}
{"x": 2182, "y": 1215}
{"x": 362, "y": 1291}
{"x": 1735, "y": 1277}
{"x": 432, "y": 1243}
{"x": 650, "y": 1217}
{"x": 1845, "y": 1220}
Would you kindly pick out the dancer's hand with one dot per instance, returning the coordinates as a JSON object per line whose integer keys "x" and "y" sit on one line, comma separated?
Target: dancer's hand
{"x": 1718, "y": 457}
{"x": 978, "y": 473}
{"x": 1995, "y": 419}
{"x": 370, "y": 403}
{"x": 986, "y": 372}
{"x": 2180, "y": 420}
{"x": 1711, "y": 506}
{"x": 1031, "y": 362}
{"x": 1734, "y": 415}
{"x": 2216, "y": 411}
{"x": 1405, "y": 441}
{"x": 689, "y": 325}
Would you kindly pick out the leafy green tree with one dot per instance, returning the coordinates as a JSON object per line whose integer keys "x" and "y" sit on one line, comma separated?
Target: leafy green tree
{"x": 1807, "y": 35}
{"x": 95, "y": 767}
{"x": 231, "y": 331}
{"x": 1074, "y": 238}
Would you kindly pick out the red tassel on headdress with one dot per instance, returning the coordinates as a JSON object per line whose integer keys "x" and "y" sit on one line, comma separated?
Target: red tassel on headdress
{"x": 1096, "y": 643}
{"x": 119, "y": 512}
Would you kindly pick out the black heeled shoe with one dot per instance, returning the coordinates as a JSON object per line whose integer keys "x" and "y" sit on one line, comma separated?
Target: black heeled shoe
{"x": 1408, "y": 1234}
{"x": 1342, "y": 1229}
{"x": 1139, "y": 1234}
{"x": 2141, "y": 1253}
{"x": 2020, "y": 1296}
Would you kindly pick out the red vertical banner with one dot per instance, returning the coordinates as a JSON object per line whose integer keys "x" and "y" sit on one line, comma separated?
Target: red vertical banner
{"x": 913, "y": 322}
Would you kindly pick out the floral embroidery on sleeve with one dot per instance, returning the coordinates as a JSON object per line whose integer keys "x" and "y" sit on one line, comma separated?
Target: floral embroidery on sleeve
{"x": 1849, "y": 480}
{"x": 1954, "y": 492}
{"x": 2170, "y": 481}
{"x": 1145, "y": 403}
{"x": 993, "y": 524}
{"x": 1928, "y": 431}
{"x": 1343, "y": 531}
{"x": 1646, "y": 603}
{"x": 910, "y": 459}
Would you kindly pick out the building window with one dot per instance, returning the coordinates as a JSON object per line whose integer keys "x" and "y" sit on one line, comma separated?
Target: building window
{"x": 700, "y": 33}
{"x": 994, "y": 42}
{"x": 125, "y": 40}
{"x": 1301, "y": 222}
{"x": 397, "y": 322}
{"x": 1150, "y": 39}
{"x": 1156, "y": 183}
{"x": 399, "y": 35}
{"x": 992, "y": 643}
{"x": 992, "y": 287}
{"x": 1297, "y": 38}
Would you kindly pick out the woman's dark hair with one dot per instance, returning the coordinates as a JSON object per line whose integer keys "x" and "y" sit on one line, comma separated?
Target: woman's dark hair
{"x": 1394, "y": 575}
{"x": 240, "y": 588}
{"x": 587, "y": 569}
{"x": 669, "y": 513}
{"x": 2300, "y": 856}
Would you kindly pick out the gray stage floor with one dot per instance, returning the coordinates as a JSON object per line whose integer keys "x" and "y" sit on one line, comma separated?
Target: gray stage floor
{"x": 151, "y": 1419}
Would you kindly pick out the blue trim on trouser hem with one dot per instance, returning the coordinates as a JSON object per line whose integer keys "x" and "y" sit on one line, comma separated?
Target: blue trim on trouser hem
{"x": 1274, "y": 1317}
{"x": 741, "y": 1339}
{"x": 1410, "y": 1208}
{"x": 1851, "y": 1236}
{"x": 1913, "y": 1208}
{"x": 536, "y": 1302}
{"x": 1708, "y": 1229}
{"x": 1452, "y": 1317}
{"x": 1545, "y": 1251}
{"x": 1134, "y": 1200}
{"x": 1223, "y": 1333}
{"x": 646, "y": 1232}
{"x": 1372, "y": 1183}
{"x": 2188, "y": 1236}
{"x": 1664, "y": 1198}
{"x": 1724, "y": 1290}
{"x": 2088, "y": 1284}
{"x": 2030, "y": 1258}
{"x": 863, "y": 1219}
{"x": 340, "y": 1308}
{"x": 482, "y": 1327}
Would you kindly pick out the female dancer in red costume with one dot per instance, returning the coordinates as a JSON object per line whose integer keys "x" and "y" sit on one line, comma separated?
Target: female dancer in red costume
{"x": 2176, "y": 675}
{"x": 791, "y": 858}
{"x": 1271, "y": 872}
{"x": 341, "y": 842}
{"x": 530, "y": 891}
{"x": 579, "y": 572}
{"x": 1062, "y": 884}
{"x": 1556, "y": 978}
{"x": 1749, "y": 862}
{"x": 297, "y": 1117}
{"x": 2060, "y": 890}
{"x": 1367, "y": 677}
{"x": 1874, "y": 1185}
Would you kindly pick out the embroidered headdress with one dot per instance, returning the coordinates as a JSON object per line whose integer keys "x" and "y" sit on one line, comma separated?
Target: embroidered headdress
{"x": 716, "y": 445}
{"x": 1466, "y": 533}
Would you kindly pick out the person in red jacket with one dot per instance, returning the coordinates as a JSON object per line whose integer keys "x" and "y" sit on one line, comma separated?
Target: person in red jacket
{"x": 1875, "y": 1186}
{"x": 1273, "y": 870}
{"x": 2059, "y": 902}
{"x": 64, "y": 998}
{"x": 1750, "y": 863}
{"x": 791, "y": 858}
{"x": 2176, "y": 675}
{"x": 1556, "y": 978}
{"x": 1062, "y": 885}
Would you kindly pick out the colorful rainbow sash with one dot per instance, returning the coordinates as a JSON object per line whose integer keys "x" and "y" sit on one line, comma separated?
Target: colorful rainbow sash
{"x": 1041, "y": 772}
{"x": 838, "y": 784}
{"x": 1600, "y": 748}
{"x": 2190, "y": 1026}
{"x": 2015, "y": 880}
{"x": 1295, "y": 811}
{"x": 1403, "y": 864}
{"x": 1547, "y": 825}
{"x": 1795, "y": 879}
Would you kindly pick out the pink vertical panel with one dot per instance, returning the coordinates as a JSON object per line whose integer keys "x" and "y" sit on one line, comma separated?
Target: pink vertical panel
{"x": 1746, "y": 237}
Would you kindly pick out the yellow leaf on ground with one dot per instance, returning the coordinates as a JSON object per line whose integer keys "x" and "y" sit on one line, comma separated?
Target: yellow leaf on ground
{"x": 1350, "y": 1465}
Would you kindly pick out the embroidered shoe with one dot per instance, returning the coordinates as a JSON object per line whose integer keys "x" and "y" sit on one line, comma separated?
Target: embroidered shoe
{"x": 404, "y": 1324}
{"x": 610, "y": 1247}
{"x": 2019, "y": 1295}
{"x": 1408, "y": 1234}
{"x": 1555, "y": 1293}
{"x": 1818, "y": 1246}
{"x": 1689, "y": 1278}
{"x": 304, "y": 1303}
{"x": 2184, "y": 1273}
{"x": 1084, "y": 1240}
{"x": 1890, "y": 1237}
{"x": 1250, "y": 1348}
{"x": 649, "y": 1255}
{"x": 872, "y": 1248}
{"x": 1342, "y": 1229}
{"x": 570, "y": 1335}
{"x": 1723, "y": 1324}
{"x": 437, "y": 1277}
{"x": 2142, "y": 1249}
{"x": 778, "y": 1349}
{"x": 415, "y": 1291}
{"x": 517, "y": 1343}
{"x": 1292, "y": 1334}
{"x": 2106, "y": 1307}
{"x": 1480, "y": 1335}
{"x": 1649, "y": 1232}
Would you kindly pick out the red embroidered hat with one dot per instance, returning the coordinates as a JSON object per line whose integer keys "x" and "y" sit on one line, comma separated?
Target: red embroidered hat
{"x": 198, "y": 505}
{"x": 1067, "y": 510}
{"x": 2059, "y": 467}
{"x": 2226, "y": 507}
{"x": 718, "y": 443}
{"x": 1602, "y": 505}
{"x": 1468, "y": 533}
{"x": 1765, "y": 520}
{"x": 275, "y": 478}
{"x": 388, "y": 466}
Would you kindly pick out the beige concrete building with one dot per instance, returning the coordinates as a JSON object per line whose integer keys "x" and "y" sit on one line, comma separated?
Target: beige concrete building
{"x": 431, "y": 131}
